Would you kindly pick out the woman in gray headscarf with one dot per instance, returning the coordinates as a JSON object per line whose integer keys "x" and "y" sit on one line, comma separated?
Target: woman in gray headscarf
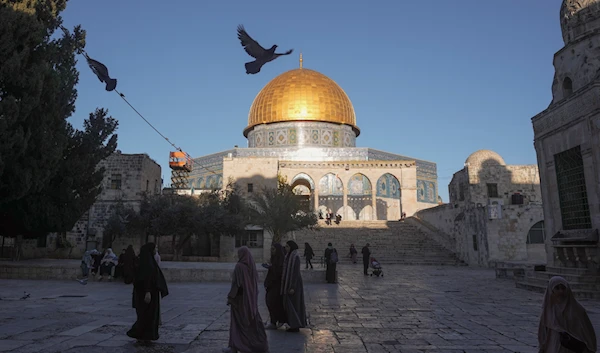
{"x": 246, "y": 329}
{"x": 292, "y": 289}
{"x": 564, "y": 324}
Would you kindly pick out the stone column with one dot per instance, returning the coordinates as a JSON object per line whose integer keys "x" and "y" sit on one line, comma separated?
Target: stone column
{"x": 316, "y": 200}
{"x": 374, "y": 201}
{"x": 345, "y": 199}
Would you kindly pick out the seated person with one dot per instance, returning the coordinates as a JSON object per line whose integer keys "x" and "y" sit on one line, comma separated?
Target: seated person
{"x": 108, "y": 264}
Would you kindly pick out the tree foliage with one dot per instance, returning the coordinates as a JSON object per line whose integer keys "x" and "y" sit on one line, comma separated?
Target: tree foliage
{"x": 279, "y": 210}
{"x": 220, "y": 212}
{"x": 48, "y": 175}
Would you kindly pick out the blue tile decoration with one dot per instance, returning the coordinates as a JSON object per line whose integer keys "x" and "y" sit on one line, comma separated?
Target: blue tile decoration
{"x": 302, "y": 133}
{"x": 426, "y": 191}
{"x": 315, "y": 137}
{"x": 330, "y": 184}
{"x": 271, "y": 138}
{"x": 388, "y": 186}
{"x": 359, "y": 185}
{"x": 292, "y": 136}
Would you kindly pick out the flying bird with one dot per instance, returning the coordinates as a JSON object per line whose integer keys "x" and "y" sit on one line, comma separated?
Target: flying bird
{"x": 255, "y": 50}
{"x": 101, "y": 72}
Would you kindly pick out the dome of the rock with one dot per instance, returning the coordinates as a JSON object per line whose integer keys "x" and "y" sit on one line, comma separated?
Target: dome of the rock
{"x": 301, "y": 95}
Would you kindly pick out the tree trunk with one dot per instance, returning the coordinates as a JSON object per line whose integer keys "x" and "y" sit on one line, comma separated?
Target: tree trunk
{"x": 174, "y": 246}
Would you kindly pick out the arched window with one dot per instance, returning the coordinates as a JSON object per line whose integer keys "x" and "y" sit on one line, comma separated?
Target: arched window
{"x": 567, "y": 87}
{"x": 537, "y": 234}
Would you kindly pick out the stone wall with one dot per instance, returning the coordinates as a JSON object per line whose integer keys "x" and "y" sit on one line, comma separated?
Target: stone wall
{"x": 497, "y": 240}
{"x": 127, "y": 179}
{"x": 507, "y": 237}
{"x": 463, "y": 228}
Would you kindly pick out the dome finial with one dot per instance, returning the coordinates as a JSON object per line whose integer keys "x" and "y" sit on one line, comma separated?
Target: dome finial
{"x": 301, "y": 60}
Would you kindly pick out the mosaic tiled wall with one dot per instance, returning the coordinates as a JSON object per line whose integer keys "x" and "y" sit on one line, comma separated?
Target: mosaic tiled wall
{"x": 426, "y": 175}
{"x": 330, "y": 185}
{"x": 426, "y": 191}
{"x": 207, "y": 173}
{"x": 359, "y": 185}
{"x": 301, "y": 133}
{"x": 388, "y": 186}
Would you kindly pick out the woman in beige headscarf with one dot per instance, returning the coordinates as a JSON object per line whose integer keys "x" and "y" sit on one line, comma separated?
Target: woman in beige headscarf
{"x": 564, "y": 322}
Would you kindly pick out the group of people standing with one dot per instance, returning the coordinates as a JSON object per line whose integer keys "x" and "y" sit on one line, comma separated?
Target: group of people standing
{"x": 564, "y": 324}
{"x": 284, "y": 298}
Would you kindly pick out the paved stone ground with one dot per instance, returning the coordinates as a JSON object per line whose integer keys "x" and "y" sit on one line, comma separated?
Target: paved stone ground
{"x": 411, "y": 309}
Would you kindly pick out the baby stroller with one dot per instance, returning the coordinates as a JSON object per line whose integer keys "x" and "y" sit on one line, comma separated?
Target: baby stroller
{"x": 376, "y": 266}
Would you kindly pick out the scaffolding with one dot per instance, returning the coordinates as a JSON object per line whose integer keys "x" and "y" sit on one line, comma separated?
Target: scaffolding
{"x": 181, "y": 166}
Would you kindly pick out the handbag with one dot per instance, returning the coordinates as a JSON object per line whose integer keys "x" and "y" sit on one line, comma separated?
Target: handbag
{"x": 333, "y": 257}
{"x": 572, "y": 343}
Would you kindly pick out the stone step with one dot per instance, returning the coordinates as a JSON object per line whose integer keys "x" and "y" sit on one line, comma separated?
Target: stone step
{"x": 569, "y": 277}
{"x": 580, "y": 294}
{"x": 572, "y": 271}
{"x": 390, "y": 242}
{"x": 594, "y": 287}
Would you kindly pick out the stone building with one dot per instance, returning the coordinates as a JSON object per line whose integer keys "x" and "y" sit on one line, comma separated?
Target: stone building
{"x": 127, "y": 179}
{"x": 494, "y": 214}
{"x": 567, "y": 142}
{"x": 302, "y": 126}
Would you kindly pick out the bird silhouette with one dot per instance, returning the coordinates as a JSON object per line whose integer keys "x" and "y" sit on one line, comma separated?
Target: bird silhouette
{"x": 101, "y": 72}
{"x": 256, "y": 51}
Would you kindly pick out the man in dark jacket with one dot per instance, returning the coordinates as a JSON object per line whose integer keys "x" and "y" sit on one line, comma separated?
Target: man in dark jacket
{"x": 366, "y": 253}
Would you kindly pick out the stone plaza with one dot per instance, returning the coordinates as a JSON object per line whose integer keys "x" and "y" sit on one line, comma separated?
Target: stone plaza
{"x": 430, "y": 309}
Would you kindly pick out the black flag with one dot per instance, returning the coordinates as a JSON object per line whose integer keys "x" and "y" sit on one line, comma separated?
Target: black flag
{"x": 102, "y": 73}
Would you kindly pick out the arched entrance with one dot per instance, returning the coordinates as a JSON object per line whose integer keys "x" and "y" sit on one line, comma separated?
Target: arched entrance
{"x": 389, "y": 206}
{"x": 303, "y": 186}
{"x": 360, "y": 197}
{"x": 331, "y": 193}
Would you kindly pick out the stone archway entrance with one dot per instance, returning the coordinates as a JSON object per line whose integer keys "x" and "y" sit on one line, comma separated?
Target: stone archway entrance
{"x": 303, "y": 187}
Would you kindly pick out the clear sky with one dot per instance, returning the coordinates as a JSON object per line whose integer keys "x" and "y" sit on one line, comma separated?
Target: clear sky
{"x": 434, "y": 80}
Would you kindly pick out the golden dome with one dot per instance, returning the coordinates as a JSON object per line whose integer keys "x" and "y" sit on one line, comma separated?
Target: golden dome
{"x": 301, "y": 95}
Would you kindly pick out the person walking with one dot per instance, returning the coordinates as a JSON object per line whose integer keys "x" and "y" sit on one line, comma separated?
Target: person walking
{"x": 366, "y": 254}
{"x": 246, "y": 329}
{"x": 353, "y": 253}
{"x": 308, "y": 255}
{"x": 564, "y": 324}
{"x": 273, "y": 298}
{"x": 331, "y": 260}
{"x": 149, "y": 283}
{"x": 292, "y": 289}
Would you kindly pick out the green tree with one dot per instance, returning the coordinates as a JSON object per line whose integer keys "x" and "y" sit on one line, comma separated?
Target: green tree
{"x": 279, "y": 210}
{"x": 48, "y": 175}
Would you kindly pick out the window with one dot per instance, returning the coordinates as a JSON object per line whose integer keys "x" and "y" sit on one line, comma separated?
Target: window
{"x": 492, "y": 190}
{"x": 517, "y": 199}
{"x": 567, "y": 87}
{"x": 537, "y": 234}
{"x": 249, "y": 238}
{"x": 461, "y": 192}
{"x": 41, "y": 241}
{"x": 572, "y": 193}
{"x": 475, "y": 242}
{"x": 250, "y": 187}
{"x": 147, "y": 185}
{"x": 115, "y": 182}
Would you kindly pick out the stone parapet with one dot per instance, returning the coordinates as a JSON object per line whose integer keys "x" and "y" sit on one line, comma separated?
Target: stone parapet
{"x": 49, "y": 269}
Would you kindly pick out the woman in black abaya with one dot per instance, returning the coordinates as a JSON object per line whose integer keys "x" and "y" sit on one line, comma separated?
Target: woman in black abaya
{"x": 149, "y": 283}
